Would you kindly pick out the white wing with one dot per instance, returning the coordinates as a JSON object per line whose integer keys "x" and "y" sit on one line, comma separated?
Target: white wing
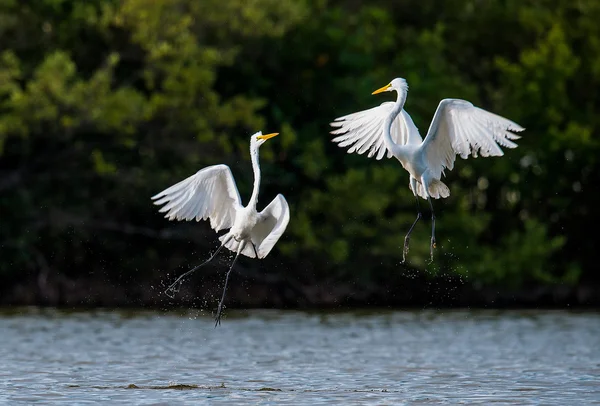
{"x": 363, "y": 131}
{"x": 459, "y": 128}
{"x": 272, "y": 222}
{"x": 209, "y": 193}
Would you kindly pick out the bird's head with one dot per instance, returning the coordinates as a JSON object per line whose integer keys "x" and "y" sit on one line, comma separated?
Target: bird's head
{"x": 256, "y": 140}
{"x": 398, "y": 84}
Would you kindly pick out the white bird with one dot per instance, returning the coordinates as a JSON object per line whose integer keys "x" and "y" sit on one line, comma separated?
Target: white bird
{"x": 457, "y": 128}
{"x": 212, "y": 194}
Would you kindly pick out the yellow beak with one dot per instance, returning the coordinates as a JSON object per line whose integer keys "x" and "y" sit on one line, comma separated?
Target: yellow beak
{"x": 382, "y": 89}
{"x": 266, "y": 136}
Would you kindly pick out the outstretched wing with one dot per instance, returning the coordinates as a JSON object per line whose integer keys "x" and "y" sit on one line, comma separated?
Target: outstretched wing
{"x": 210, "y": 193}
{"x": 459, "y": 128}
{"x": 272, "y": 222}
{"x": 363, "y": 131}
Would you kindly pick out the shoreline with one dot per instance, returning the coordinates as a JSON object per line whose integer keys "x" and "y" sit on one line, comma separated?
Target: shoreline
{"x": 251, "y": 294}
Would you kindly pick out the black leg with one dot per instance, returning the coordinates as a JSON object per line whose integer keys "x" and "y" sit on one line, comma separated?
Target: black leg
{"x": 255, "y": 251}
{"x": 173, "y": 289}
{"x": 407, "y": 237}
{"x": 220, "y": 308}
{"x": 432, "y": 229}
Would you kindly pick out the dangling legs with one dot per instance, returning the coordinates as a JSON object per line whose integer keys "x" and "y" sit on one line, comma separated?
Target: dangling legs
{"x": 172, "y": 288}
{"x": 220, "y": 308}
{"x": 432, "y": 228}
{"x": 425, "y": 181}
{"x": 413, "y": 185}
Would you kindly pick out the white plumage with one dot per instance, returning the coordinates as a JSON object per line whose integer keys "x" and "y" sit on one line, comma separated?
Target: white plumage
{"x": 271, "y": 224}
{"x": 457, "y": 128}
{"x": 212, "y": 194}
{"x": 362, "y": 131}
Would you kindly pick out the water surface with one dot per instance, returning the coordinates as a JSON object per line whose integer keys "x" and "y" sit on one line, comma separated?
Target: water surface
{"x": 271, "y": 357}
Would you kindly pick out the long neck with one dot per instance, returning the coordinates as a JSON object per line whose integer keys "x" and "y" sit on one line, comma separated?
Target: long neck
{"x": 387, "y": 125}
{"x": 256, "y": 169}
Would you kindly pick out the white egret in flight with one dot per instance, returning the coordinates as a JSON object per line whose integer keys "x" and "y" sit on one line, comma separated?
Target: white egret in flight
{"x": 212, "y": 194}
{"x": 457, "y": 128}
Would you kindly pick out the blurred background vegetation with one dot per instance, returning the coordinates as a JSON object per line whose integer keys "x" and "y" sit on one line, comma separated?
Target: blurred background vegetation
{"x": 104, "y": 103}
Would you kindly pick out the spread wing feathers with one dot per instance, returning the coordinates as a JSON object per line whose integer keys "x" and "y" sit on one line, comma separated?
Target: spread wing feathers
{"x": 272, "y": 222}
{"x": 363, "y": 131}
{"x": 459, "y": 128}
{"x": 209, "y": 193}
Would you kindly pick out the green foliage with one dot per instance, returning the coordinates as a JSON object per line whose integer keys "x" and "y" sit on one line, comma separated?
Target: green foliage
{"x": 519, "y": 258}
{"x": 103, "y": 103}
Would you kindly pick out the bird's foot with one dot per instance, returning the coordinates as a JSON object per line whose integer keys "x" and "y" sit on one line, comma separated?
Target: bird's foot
{"x": 432, "y": 247}
{"x": 405, "y": 249}
{"x": 172, "y": 290}
{"x": 218, "y": 316}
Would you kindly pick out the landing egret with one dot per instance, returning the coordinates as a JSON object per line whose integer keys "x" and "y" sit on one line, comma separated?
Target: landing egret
{"x": 212, "y": 194}
{"x": 457, "y": 128}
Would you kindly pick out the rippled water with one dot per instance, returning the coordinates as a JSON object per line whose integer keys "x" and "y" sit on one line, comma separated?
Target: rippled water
{"x": 268, "y": 357}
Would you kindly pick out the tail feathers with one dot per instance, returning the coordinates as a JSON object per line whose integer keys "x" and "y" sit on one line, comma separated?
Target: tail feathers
{"x": 437, "y": 189}
{"x": 234, "y": 245}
